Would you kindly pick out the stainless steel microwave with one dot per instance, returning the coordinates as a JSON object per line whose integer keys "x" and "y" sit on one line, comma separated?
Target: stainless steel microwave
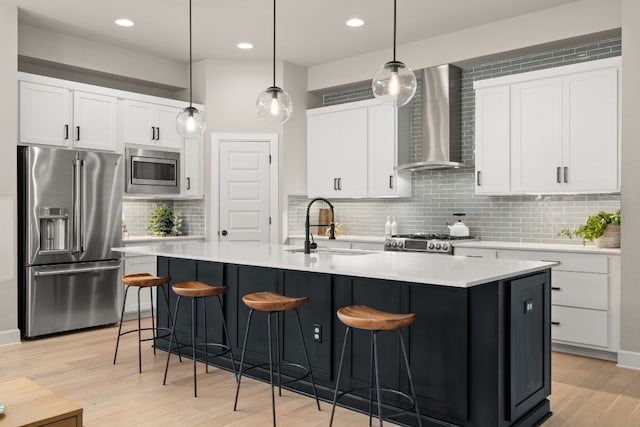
{"x": 152, "y": 171}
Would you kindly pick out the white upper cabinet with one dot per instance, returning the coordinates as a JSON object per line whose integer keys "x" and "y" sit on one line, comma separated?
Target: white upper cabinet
{"x": 492, "y": 149}
{"x": 352, "y": 152}
{"x": 192, "y": 184}
{"x": 384, "y": 180}
{"x": 151, "y": 124}
{"x": 52, "y": 115}
{"x": 562, "y": 127}
{"x": 95, "y": 121}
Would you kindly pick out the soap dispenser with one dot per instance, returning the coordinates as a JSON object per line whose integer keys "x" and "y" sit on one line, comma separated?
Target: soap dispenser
{"x": 394, "y": 226}
{"x": 387, "y": 228}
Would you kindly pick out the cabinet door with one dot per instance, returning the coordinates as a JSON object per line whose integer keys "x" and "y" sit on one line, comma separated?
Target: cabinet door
{"x": 492, "y": 141}
{"x": 95, "y": 121}
{"x": 591, "y": 131}
{"x": 384, "y": 180}
{"x": 352, "y": 176}
{"x": 323, "y": 143}
{"x": 536, "y": 136}
{"x": 139, "y": 123}
{"x": 167, "y": 135}
{"x": 45, "y": 114}
{"x": 192, "y": 169}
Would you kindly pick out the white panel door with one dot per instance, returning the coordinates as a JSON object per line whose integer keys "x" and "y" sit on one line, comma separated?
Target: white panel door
{"x": 493, "y": 141}
{"x": 323, "y": 147}
{"x": 382, "y": 150}
{"x": 139, "y": 123}
{"x": 352, "y": 179}
{"x": 244, "y": 191}
{"x": 95, "y": 121}
{"x": 591, "y": 131}
{"x": 536, "y": 135}
{"x": 45, "y": 114}
{"x": 167, "y": 135}
{"x": 192, "y": 184}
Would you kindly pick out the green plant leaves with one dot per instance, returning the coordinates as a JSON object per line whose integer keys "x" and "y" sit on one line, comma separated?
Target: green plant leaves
{"x": 593, "y": 227}
{"x": 163, "y": 221}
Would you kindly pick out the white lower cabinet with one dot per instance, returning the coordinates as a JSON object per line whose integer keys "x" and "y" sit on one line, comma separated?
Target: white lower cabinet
{"x": 134, "y": 264}
{"x": 585, "y": 296}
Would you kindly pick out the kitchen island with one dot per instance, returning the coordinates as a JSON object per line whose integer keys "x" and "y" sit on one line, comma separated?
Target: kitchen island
{"x": 479, "y": 349}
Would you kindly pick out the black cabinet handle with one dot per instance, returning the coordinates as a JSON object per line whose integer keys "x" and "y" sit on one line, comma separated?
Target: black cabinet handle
{"x": 335, "y": 183}
{"x": 66, "y": 131}
{"x": 223, "y": 232}
{"x": 340, "y": 184}
{"x": 77, "y": 133}
{"x": 566, "y": 174}
{"x": 158, "y": 134}
{"x": 391, "y": 181}
{"x": 188, "y": 183}
{"x": 153, "y": 133}
{"x": 478, "y": 178}
{"x": 554, "y": 288}
{"x": 555, "y": 323}
{"x": 558, "y": 173}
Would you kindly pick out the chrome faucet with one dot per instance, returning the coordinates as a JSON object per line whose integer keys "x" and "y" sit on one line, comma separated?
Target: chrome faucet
{"x": 332, "y": 228}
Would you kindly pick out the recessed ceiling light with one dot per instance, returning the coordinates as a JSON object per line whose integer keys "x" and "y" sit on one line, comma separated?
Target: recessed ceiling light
{"x": 124, "y": 22}
{"x": 355, "y": 22}
{"x": 245, "y": 45}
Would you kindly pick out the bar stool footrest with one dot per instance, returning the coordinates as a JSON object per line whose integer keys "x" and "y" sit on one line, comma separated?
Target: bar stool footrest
{"x": 306, "y": 372}
{"x": 167, "y": 330}
{"x": 226, "y": 348}
{"x": 398, "y": 411}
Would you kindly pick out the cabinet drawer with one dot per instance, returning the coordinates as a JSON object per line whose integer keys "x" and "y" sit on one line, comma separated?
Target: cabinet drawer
{"x": 587, "y": 263}
{"x": 579, "y": 326}
{"x": 584, "y": 290}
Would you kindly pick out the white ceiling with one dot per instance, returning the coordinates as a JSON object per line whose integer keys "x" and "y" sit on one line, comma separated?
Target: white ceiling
{"x": 309, "y": 31}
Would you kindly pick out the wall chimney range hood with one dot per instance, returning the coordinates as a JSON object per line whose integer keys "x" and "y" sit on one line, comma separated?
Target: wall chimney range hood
{"x": 440, "y": 120}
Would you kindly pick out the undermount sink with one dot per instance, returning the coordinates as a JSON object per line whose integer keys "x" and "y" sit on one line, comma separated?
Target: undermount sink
{"x": 334, "y": 251}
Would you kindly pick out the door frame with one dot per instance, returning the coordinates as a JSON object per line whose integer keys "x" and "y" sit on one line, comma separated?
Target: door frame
{"x": 214, "y": 204}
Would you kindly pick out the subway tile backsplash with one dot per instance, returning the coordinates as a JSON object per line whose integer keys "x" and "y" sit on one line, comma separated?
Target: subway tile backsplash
{"x": 438, "y": 194}
{"x": 137, "y": 212}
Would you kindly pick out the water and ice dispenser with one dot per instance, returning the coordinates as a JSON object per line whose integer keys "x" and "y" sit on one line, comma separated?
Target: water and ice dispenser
{"x": 54, "y": 225}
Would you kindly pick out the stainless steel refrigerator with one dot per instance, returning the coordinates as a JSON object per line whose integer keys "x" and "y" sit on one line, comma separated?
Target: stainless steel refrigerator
{"x": 69, "y": 218}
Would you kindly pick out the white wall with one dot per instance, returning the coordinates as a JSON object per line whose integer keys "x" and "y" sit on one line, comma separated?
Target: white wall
{"x": 571, "y": 20}
{"x": 9, "y": 332}
{"x": 62, "y": 48}
{"x": 630, "y": 304}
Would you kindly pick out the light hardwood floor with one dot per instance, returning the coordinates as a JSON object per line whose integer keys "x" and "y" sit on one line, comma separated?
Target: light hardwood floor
{"x": 586, "y": 392}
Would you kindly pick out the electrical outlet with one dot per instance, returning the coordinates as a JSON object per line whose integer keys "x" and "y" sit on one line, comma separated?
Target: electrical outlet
{"x": 317, "y": 332}
{"x": 528, "y": 306}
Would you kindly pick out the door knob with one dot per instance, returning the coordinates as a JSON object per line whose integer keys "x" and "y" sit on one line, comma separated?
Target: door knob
{"x": 223, "y": 232}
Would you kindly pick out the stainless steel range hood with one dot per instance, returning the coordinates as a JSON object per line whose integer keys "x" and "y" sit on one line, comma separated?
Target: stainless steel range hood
{"x": 440, "y": 119}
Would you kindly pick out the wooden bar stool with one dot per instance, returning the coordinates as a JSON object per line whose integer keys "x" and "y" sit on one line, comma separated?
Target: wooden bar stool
{"x": 367, "y": 318}
{"x": 271, "y": 302}
{"x": 196, "y": 291}
{"x": 141, "y": 281}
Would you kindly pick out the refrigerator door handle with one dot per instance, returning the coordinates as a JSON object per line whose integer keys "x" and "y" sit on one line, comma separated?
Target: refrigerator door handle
{"x": 77, "y": 206}
{"x": 73, "y": 271}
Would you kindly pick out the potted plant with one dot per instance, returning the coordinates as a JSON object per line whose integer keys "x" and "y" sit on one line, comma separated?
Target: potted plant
{"x": 164, "y": 222}
{"x": 604, "y": 228}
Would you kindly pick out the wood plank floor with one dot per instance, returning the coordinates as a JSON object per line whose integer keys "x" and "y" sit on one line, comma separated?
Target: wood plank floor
{"x": 586, "y": 392}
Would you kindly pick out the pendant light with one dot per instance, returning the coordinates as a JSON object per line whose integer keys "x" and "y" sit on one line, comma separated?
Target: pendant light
{"x": 274, "y": 104}
{"x": 394, "y": 83}
{"x": 190, "y": 123}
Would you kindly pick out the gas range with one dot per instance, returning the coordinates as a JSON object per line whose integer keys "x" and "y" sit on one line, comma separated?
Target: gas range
{"x": 422, "y": 242}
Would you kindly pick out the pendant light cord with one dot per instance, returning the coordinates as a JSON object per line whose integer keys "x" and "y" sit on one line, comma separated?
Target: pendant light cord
{"x": 190, "y": 62}
{"x": 274, "y": 43}
{"x": 394, "y": 30}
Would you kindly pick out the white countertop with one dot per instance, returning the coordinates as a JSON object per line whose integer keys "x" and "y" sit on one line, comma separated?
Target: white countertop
{"x": 550, "y": 247}
{"x": 345, "y": 237}
{"x": 154, "y": 239}
{"x": 436, "y": 269}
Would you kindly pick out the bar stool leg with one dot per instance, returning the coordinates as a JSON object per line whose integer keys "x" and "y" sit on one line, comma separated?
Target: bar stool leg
{"x": 173, "y": 332}
{"x": 139, "y": 336}
{"x": 154, "y": 322}
{"x": 371, "y": 366}
{"x": 413, "y": 391}
{"x": 244, "y": 348}
{"x": 165, "y": 292}
{"x": 306, "y": 358}
{"x": 193, "y": 344}
{"x": 206, "y": 340}
{"x": 278, "y": 352}
{"x": 226, "y": 334}
{"x": 375, "y": 356}
{"x": 335, "y": 393}
{"x": 124, "y": 301}
{"x": 273, "y": 396}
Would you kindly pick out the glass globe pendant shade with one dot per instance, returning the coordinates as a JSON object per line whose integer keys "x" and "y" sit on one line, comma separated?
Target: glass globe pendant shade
{"x": 274, "y": 105}
{"x": 190, "y": 123}
{"x": 394, "y": 84}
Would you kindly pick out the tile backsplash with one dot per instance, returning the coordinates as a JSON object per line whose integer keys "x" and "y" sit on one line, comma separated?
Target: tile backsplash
{"x": 137, "y": 212}
{"x": 438, "y": 194}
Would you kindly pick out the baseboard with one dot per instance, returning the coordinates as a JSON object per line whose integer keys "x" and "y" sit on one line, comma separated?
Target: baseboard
{"x": 629, "y": 360}
{"x": 584, "y": 351}
{"x": 10, "y": 337}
